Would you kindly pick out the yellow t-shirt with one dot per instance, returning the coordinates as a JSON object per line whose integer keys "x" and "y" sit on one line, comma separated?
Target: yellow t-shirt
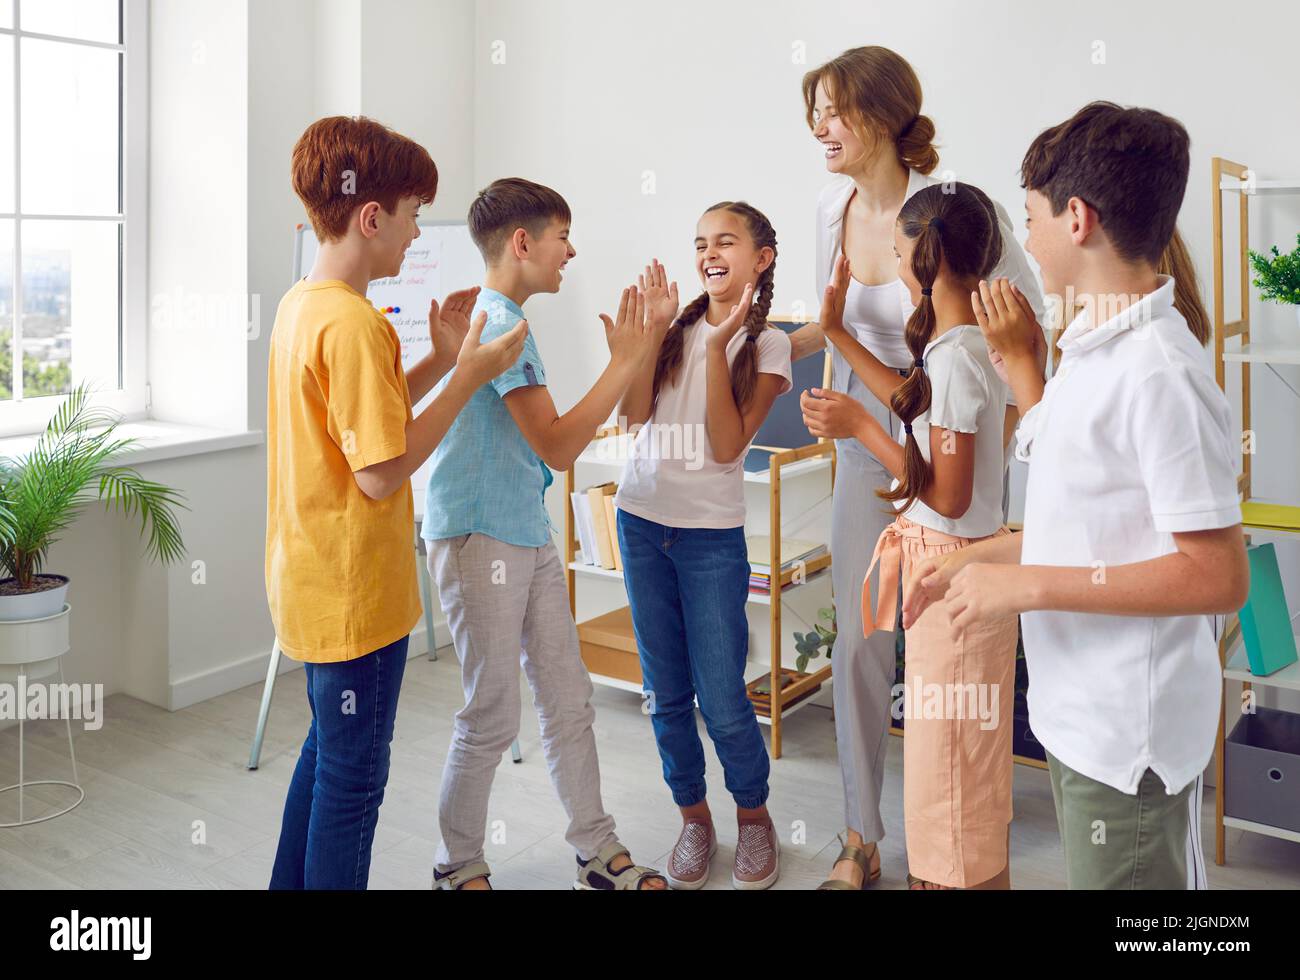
{"x": 340, "y": 567}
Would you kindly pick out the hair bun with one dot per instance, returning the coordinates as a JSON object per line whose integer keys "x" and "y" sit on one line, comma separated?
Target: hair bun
{"x": 916, "y": 144}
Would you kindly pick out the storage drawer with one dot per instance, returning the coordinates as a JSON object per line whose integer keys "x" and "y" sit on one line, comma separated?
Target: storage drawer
{"x": 1262, "y": 769}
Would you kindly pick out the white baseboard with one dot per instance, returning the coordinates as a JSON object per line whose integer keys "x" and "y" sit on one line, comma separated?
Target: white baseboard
{"x": 209, "y": 684}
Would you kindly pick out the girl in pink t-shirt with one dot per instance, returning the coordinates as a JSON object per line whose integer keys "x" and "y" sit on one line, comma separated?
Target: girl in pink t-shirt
{"x": 681, "y": 530}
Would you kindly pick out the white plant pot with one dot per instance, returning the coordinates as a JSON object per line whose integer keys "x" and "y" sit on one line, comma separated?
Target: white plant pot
{"x": 33, "y": 605}
{"x": 1297, "y": 314}
{"x": 35, "y": 644}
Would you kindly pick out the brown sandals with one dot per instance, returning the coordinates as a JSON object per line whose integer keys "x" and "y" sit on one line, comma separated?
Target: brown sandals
{"x": 851, "y": 852}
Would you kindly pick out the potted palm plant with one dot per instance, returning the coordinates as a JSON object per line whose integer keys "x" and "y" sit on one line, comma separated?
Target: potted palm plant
{"x": 71, "y": 466}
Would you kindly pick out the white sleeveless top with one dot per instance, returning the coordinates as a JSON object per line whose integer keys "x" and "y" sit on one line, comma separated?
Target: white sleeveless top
{"x": 874, "y": 315}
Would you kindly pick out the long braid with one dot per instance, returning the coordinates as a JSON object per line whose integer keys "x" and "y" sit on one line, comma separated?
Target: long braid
{"x": 912, "y": 397}
{"x": 744, "y": 369}
{"x": 670, "y": 351}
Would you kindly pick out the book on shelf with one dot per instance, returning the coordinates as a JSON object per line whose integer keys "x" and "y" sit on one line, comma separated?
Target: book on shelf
{"x": 596, "y": 498}
{"x": 808, "y": 555}
{"x": 1280, "y": 517}
{"x": 582, "y": 527}
{"x": 760, "y": 692}
{"x": 596, "y": 526}
{"x": 612, "y": 523}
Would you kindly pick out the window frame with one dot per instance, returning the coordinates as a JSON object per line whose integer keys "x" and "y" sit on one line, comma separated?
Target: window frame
{"x": 21, "y": 415}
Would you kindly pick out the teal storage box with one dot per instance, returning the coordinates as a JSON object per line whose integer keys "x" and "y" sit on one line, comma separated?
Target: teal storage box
{"x": 1265, "y": 618}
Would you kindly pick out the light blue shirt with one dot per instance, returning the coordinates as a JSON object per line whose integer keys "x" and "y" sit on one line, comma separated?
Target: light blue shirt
{"x": 484, "y": 476}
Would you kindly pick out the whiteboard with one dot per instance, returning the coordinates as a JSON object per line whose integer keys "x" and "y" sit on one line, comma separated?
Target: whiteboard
{"x": 442, "y": 260}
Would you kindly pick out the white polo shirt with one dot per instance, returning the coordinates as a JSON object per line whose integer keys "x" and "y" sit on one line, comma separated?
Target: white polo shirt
{"x": 1131, "y": 442}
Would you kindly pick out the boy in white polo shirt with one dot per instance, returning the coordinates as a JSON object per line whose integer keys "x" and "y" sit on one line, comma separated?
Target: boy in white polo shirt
{"x": 1132, "y": 533}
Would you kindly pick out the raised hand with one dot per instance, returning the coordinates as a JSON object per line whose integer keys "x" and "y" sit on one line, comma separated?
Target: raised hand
{"x": 831, "y": 319}
{"x": 449, "y": 324}
{"x": 722, "y": 334}
{"x": 661, "y": 300}
{"x": 628, "y": 338}
{"x": 483, "y": 362}
{"x": 1008, "y": 322}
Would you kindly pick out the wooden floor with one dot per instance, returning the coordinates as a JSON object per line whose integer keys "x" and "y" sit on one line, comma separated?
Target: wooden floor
{"x": 169, "y": 803}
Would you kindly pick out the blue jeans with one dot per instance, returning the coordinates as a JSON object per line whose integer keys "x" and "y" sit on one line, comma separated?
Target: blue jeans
{"x": 687, "y": 588}
{"x": 338, "y": 784}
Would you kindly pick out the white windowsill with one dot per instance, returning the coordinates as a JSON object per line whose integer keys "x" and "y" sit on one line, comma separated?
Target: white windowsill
{"x": 156, "y": 441}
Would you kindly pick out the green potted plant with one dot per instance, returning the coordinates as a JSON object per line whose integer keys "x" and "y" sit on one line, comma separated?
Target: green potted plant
{"x": 1278, "y": 278}
{"x": 808, "y": 645}
{"x": 42, "y": 494}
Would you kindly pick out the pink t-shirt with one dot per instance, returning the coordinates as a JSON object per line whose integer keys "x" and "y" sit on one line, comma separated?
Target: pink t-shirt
{"x": 670, "y": 476}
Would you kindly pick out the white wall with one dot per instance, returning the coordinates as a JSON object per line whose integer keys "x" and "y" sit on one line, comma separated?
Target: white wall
{"x": 417, "y": 76}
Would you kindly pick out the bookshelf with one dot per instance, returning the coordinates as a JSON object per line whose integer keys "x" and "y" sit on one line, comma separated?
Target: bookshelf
{"x": 607, "y": 641}
{"x": 1228, "y": 177}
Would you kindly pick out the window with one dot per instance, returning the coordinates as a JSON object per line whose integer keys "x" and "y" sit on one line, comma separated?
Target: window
{"x": 72, "y": 191}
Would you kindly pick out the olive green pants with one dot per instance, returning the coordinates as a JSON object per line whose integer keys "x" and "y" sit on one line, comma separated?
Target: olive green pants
{"x": 1115, "y": 840}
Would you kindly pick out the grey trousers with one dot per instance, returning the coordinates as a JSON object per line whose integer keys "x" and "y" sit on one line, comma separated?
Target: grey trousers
{"x": 862, "y": 668}
{"x": 507, "y": 606}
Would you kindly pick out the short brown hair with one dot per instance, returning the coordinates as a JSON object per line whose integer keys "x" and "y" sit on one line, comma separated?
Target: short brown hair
{"x": 343, "y": 162}
{"x": 511, "y": 203}
{"x": 1130, "y": 165}
{"x": 876, "y": 89}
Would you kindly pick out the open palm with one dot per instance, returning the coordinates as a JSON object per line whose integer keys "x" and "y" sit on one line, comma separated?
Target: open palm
{"x": 661, "y": 302}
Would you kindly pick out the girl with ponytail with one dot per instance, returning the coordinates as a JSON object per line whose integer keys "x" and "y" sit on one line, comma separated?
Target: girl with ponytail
{"x": 681, "y": 529}
{"x": 947, "y": 494}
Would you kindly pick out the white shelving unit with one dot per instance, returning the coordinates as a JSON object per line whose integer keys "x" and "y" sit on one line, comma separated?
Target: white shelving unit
{"x": 1230, "y": 177}
{"x": 1250, "y": 188}
{"x": 1263, "y": 354}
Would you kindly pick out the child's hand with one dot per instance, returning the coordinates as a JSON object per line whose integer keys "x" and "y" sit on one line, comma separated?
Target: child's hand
{"x": 661, "y": 303}
{"x": 1040, "y": 357}
{"x": 983, "y": 591}
{"x": 832, "y": 414}
{"x": 627, "y": 337}
{"x": 926, "y": 585}
{"x": 449, "y": 324}
{"x": 482, "y": 362}
{"x": 721, "y": 334}
{"x": 832, "y": 315}
{"x": 1008, "y": 323}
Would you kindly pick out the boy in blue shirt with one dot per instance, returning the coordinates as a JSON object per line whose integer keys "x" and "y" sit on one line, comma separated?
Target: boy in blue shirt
{"x": 499, "y": 576}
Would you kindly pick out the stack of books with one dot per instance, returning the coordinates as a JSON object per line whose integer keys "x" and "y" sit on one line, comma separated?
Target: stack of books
{"x": 809, "y": 555}
{"x": 593, "y": 518}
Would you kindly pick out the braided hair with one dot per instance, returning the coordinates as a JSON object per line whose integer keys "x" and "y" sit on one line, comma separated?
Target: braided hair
{"x": 744, "y": 369}
{"x": 957, "y": 228}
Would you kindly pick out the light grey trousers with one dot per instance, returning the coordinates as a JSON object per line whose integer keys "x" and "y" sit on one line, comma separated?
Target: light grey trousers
{"x": 862, "y": 668}
{"x": 507, "y": 606}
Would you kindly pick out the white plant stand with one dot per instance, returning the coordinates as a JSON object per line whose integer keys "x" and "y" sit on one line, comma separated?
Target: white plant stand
{"x": 32, "y": 649}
